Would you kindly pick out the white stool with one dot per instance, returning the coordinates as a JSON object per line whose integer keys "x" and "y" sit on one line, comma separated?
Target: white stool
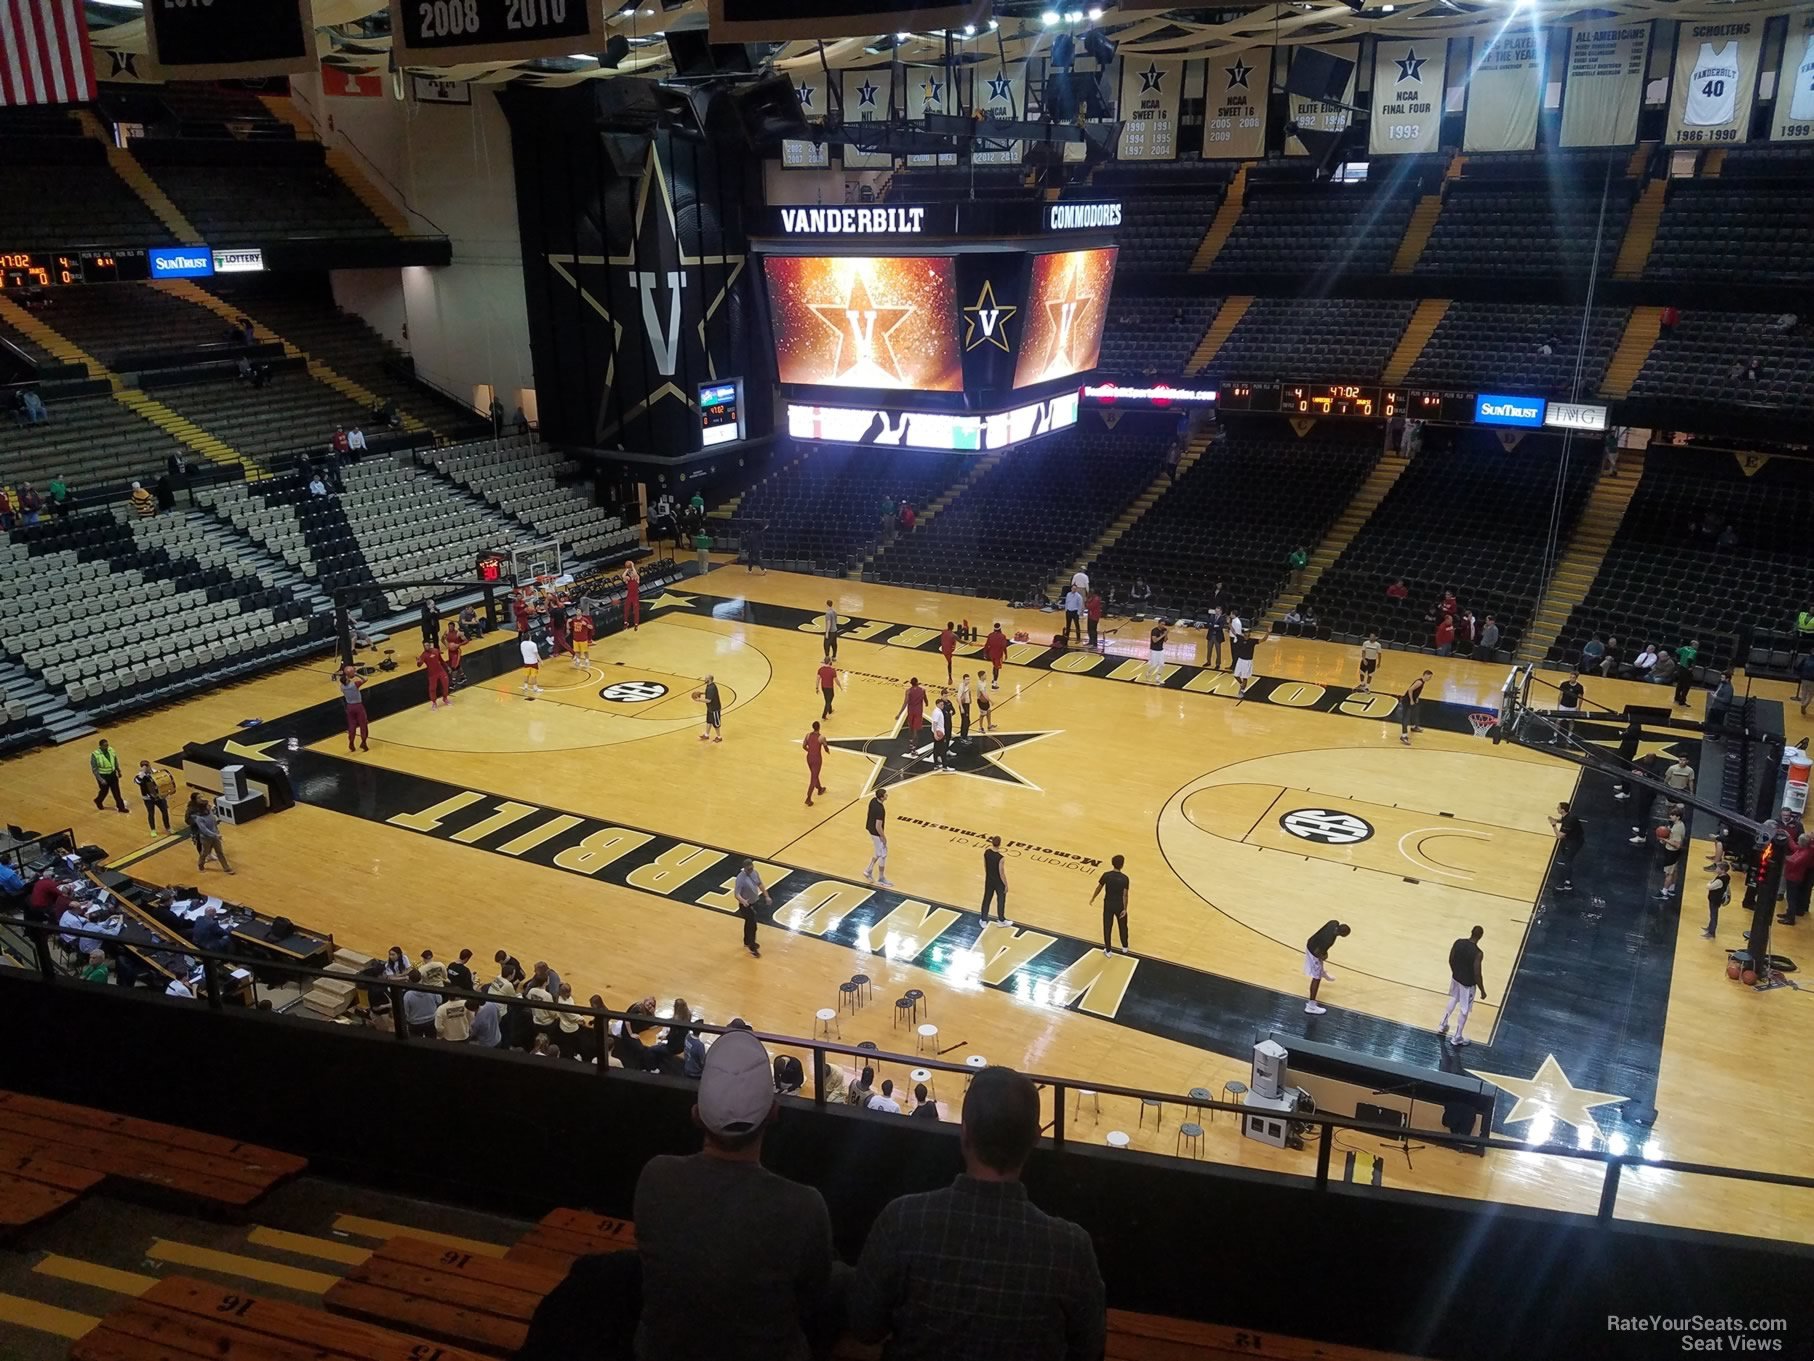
{"x": 926, "y": 1039}
{"x": 1095, "y": 1101}
{"x": 919, "y": 1075}
{"x": 1116, "y": 1139}
{"x": 827, "y": 1018}
{"x": 975, "y": 1063}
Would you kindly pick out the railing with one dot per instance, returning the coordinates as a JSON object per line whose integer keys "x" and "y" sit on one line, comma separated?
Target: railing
{"x": 46, "y": 972}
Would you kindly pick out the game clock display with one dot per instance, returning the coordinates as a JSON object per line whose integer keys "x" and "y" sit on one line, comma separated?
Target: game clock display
{"x": 720, "y": 412}
{"x": 449, "y": 32}
{"x": 38, "y": 269}
{"x": 1348, "y": 400}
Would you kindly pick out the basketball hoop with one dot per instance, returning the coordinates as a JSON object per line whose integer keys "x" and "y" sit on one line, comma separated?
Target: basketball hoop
{"x": 1483, "y": 724}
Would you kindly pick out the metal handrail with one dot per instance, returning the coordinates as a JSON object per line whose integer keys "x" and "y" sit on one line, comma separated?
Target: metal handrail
{"x": 1611, "y": 1163}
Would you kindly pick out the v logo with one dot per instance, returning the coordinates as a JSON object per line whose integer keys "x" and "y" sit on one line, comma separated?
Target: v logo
{"x": 863, "y": 327}
{"x": 664, "y": 341}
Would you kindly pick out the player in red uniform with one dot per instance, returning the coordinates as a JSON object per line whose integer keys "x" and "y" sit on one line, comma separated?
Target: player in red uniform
{"x": 453, "y": 640}
{"x": 519, "y": 607}
{"x": 995, "y": 648}
{"x": 815, "y": 756}
{"x": 582, "y": 639}
{"x": 915, "y": 708}
{"x": 947, "y": 644}
{"x": 437, "y": 675}
{"x": 632, "y": 597}
{"x": 828, "y": 684}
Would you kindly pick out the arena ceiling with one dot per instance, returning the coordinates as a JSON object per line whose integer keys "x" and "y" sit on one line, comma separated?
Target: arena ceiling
{"x": 354, "y": 33}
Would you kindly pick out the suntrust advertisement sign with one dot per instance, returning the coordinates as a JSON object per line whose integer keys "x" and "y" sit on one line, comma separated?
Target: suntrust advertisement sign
{"x": 1493, "y": 408}
{"x": 181, "y": 262}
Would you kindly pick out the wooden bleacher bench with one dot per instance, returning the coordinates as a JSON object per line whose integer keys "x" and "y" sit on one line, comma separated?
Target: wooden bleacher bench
{"x": 180, "y": 1318}
{"x": 565, "y": 1235}
{"x": 217, "y": 1171}
{"x": 33, "y": 1188}
{"x": 484, "y": 1303}
{"x": 1153, "y": 1337}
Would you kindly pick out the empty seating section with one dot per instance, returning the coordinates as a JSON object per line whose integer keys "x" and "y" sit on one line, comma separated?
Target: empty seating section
{"x": 307, "y": 533}
{"x": 1290, "y": 229}
{"x": 1467, "y": 515}
{"x": 115, "y": 612}
{"x": 292, "y": 411}
{"x": 1498, "y": 347}
{"x": 1337, "y": 340}
{"x": 92, "y": 442}
{"x": 825, "y": 509}
{"x": 1029, "y": 517}
{"x": 1501, "y": 224}
{"x": 523, "y": 479}
{"x": 108, "y": 320}
{"x": 919, "y": 186}
{"x": 1164, "y": 211}
{"x": 1666, "y": 578}
{"x": 25, "y": 345}
{"x": 1225, "y": 521}
{"x": 73, "y": 203}
{"x": 1753, "y": 230}
{"x": 1154, "y": 335}
{"x": 1704, "y": 358}
{"x": 342, "y": 340}
{"x": 202, "y": 109}
{"x": 286, "y": 189}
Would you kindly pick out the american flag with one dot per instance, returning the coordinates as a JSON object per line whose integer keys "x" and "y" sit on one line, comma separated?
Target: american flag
{"x": 44, "y": 55}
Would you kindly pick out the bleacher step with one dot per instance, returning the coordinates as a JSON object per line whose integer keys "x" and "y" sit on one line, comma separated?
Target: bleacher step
{"x": 1163, "y": 481}
{"x": 1372, "y": 490}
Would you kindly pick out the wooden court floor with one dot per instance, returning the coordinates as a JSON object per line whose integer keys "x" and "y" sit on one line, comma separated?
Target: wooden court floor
{"x": 592, "y": 828}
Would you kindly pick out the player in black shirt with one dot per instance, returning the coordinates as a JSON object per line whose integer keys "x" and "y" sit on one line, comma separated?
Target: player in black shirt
{"x": 714, "y": 711}
{"x": 1316, "y": 957}
{"x": 877, "y": 823}
{"x": 1112, "y": 888}
{"x": 1568, "y": 696}
{"x": 1410, "y": 708}
{"x": 1241, "y": 649}
{"x": 1569, "y": 836}
{"x": 995, "y": 881}
{"x": 1464, "y": 982}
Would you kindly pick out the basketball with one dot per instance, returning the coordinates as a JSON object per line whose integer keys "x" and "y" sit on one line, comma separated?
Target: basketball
{"x": 1732, "y": 969}
{"x": 1661, "y": 834}
{"x": 1750, "y": 977}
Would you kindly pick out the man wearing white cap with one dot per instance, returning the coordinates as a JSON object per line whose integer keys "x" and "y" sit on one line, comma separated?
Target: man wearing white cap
{"x": 719, "y": 1222}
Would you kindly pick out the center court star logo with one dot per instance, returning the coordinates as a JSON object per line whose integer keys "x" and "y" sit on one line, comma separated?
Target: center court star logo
{"x": 864, "y": 329}
{"x": 896, "y": 758}
{"x": 1410, "y": 66}
{"x": 1151, "y": 78}
{"x": 1237, "y": 74}
{"x": 1549, "y": 1095}
{"x": 670, "y": 286}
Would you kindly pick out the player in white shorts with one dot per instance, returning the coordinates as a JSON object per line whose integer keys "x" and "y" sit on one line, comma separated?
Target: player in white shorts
{"x": 532, "y": 665}
{"x": 877, "y": 824}
{"x": 1464, "y": 982}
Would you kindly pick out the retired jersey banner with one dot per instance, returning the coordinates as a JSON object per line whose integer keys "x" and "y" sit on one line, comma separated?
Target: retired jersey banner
{"x": 1505, "y": 91}
{"x": 1603, "y": 83}
{"x": 1151, "y": 88}
{"x": 810, "y": 86}
{"x": 1234, "y": 104}
{"x": 1316, "y": 116}
{"x": 1000, "y": 92}
{"x": 929, "y": 91}
{"x": 866, "y": 100}
{"x": 1407, "y": 96}
{"x": 1715, "y": 78}
{"x": 1795, "y": 82}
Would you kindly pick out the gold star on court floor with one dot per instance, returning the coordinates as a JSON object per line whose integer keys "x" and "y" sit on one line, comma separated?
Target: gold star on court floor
{"x": 1550, "y": 1093}
{"x": 666, "y": 598}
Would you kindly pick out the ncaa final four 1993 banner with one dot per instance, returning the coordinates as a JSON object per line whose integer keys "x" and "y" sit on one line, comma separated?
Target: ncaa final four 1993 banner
{"x": 1715, "y": 78}
{"x": 1237, "y": 85}
{"x": 1505, "y": 90}
{"x": 1151, "y": 89}
{"x": 1407, "y": 95}
{"x": 1603, "y": 83}
{"x": 1795, "y": 82}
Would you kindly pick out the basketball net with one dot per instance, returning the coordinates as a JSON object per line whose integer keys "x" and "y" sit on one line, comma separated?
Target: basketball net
{"x": 1483, "y": 724}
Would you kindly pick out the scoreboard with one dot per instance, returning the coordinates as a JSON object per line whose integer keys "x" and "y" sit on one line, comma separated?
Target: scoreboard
{"x": 720, "y": 412}
{"x": 1355, "y": 400}
{"x": 40, "y": 269}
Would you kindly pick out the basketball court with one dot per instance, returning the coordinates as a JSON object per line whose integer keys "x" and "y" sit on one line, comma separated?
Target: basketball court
{"x": 591, "y": 827}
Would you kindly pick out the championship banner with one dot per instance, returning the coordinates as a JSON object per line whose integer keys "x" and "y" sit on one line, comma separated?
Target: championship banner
{"x": 1234, "y": 104}
{"x": 1603, "y": 84}
{"x": 1715, "y": 79}
{"x": 867, "y": 96}
{"x": 1795, "y": 82}
{"x": 1407, "y": 96}
{"x": 929, "y": 91}
{"x": 796, "y": 153}
{"x": 1001, "y": 92}
{"x": 1148, "y": 104}
{"x": 1318, "y": 117}
{"x": 1505, "y": 91}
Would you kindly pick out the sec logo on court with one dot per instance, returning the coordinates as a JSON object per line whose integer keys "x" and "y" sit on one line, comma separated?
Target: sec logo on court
{"x": 633, "y": 692}
{"x": 1327, "y": 827}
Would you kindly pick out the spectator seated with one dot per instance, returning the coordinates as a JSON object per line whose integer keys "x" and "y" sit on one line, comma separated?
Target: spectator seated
{"x": 1706, "y": 552}
{"x": 1499, "y": 347}
{"x": 290, "y": 411}
{"x": 1465, "y": 515}
{"x": 1224, "y": 519}
{"x": 93, "y": 443}
{"x": 1032, "y": 515}
{"x": 1706, "y": 357}
{"x": 1338, "y": 340}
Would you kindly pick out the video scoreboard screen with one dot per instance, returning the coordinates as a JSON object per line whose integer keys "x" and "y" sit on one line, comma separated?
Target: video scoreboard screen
{"x": 41, "y": 269}
{"x": 720, "y": 412}
{"x": 1067, "y": 303}
{"x": 873, "y": 322}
